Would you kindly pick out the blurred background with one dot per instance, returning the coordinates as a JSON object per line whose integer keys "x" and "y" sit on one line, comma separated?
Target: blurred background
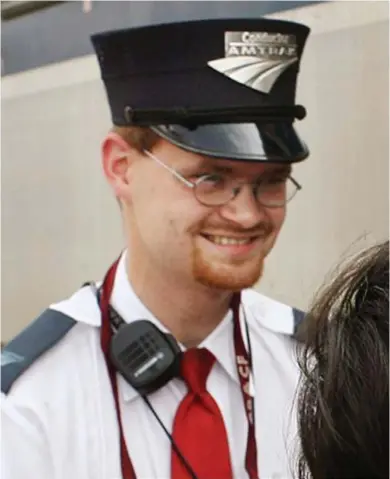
{"x": 61, "y": 227}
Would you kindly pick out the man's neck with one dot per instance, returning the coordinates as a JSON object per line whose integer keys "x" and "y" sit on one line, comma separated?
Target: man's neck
{"x": 189, "y": 313}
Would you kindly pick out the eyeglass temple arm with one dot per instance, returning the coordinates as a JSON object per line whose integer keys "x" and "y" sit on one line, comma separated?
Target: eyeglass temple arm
{"x": 298, "y": 185}
{"x": 171, "y": 170}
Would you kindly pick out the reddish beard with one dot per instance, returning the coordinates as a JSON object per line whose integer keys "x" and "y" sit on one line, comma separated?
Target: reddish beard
{"x": 216, "y": 274}
{"x": 233, "y": 274}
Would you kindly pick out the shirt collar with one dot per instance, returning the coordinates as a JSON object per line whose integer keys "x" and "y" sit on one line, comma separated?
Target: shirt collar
{"x": 272, "y": 315}
{"x": 124, "y": 300}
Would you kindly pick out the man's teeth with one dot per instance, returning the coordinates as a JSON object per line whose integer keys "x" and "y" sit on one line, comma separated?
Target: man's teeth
{"x": 224, "y": 240}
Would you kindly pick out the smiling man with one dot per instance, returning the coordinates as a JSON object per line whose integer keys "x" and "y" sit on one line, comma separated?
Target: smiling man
{"x": 172, "y": 367}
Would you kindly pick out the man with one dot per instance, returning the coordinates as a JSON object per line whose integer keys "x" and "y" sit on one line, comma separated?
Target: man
{"x": 199, "y": 159}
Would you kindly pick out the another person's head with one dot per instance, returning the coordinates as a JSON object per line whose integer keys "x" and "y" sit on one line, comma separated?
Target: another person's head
{"x": 200, "y": 157}
{"x": 344, "y": 396}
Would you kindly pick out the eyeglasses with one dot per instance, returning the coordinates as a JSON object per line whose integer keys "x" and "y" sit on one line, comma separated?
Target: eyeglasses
{"x": 216, "y": 189}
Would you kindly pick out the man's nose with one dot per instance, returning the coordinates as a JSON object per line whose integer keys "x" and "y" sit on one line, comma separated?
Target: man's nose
{"x": 244, "y": 209}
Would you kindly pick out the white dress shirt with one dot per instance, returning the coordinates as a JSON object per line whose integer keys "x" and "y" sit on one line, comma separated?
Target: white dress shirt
{"x": 59, "y": 419}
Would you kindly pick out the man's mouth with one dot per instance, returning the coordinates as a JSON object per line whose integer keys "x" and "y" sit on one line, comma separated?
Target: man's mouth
{"x": 229, "y": 240}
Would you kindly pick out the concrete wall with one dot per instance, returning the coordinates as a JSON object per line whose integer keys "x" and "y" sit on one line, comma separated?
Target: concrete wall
{"x": 60, "y": 226}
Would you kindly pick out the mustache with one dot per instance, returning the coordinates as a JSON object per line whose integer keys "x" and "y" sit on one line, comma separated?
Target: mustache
{"x": 262, "y": 229}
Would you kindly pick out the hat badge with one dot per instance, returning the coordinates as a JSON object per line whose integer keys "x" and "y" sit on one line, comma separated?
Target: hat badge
{"x": 256, "y": 59}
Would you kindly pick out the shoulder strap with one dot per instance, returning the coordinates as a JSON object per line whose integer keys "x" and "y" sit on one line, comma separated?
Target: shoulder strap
{"x": 40, "y": 336}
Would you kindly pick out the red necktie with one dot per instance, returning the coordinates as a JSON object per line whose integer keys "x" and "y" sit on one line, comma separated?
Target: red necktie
{"x": 198, "y": 428}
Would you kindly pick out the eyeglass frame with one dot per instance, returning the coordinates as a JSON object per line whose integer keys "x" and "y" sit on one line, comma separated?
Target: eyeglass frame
{"x": 235, "y": 191}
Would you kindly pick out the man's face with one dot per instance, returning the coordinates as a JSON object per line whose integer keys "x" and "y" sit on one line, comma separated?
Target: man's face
{"x": 221, "y": 247}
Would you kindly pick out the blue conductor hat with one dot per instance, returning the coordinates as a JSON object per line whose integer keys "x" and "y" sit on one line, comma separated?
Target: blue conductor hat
{"x": 219, "y": 88}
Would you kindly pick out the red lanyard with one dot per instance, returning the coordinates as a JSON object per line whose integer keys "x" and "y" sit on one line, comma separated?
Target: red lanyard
{"x": 243, "y": 369}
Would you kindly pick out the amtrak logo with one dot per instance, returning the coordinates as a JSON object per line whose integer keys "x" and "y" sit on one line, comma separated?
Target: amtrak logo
{"x": 256, "y": 59}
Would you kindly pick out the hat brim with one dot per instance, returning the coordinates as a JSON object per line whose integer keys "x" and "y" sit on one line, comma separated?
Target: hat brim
{"x": 262, "y": 142}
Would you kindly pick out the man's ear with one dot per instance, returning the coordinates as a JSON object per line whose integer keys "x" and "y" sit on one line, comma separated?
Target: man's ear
{"x": 117, "y": 158}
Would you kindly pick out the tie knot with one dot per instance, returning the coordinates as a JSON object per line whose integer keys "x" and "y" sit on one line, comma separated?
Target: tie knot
{"x": 195, "y": 367}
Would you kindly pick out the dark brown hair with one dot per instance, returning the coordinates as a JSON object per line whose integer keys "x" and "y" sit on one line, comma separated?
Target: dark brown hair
{"x": 343, "y": 404}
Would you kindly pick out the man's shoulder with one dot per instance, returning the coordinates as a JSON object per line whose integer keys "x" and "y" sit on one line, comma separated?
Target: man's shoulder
{"x": 27, "y": 347}
{"x": 45, "y": 343}
{"x": 274, "y": 315}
